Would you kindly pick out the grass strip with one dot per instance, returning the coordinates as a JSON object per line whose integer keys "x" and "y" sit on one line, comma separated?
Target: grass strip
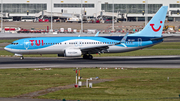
{"x": 130, "y": 84}
{"x": 137, "y": 83}
{"x": 166, "y": 45}
{"x": 7, "y": 40}
{"x": 16, "y": 82}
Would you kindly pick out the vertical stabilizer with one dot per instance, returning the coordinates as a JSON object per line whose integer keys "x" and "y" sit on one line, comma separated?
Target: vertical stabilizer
{"x": 155, "y": 26}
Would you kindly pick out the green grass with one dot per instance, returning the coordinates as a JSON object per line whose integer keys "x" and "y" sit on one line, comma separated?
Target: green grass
{"x": 128, "y": 84}
{"x": 20, "y": 81}
{"x": 166, "y": 45}
{"x": 165, "y": 48}
{"x": 7, "y": 40}
{"x": 3, "y": 52}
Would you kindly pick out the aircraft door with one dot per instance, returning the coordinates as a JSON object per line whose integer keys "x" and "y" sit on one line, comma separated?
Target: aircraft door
{"x": 26, "y": 44}
{"x": 139, "y": 42}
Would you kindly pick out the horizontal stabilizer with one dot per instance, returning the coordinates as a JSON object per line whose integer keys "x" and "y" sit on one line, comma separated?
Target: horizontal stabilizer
{"x": 161, "y": 38}
{"x": 156, "y": 38}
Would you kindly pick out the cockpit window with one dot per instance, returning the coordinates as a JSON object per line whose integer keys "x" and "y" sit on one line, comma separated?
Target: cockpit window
{"x": 14, "y": 43}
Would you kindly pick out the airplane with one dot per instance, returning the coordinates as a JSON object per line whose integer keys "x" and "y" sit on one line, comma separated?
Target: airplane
{"x": 85, "y": 46}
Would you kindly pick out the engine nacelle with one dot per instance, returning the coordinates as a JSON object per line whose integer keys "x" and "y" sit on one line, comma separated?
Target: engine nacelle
{"x": 72, "y": 52}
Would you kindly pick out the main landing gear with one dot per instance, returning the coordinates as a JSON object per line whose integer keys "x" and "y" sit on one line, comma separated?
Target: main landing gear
{"x": 21, "y": 57}
{"x": 85, "y": 56}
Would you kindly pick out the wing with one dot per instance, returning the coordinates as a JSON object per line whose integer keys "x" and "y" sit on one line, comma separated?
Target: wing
{"x": 95, "y": 49}
{"x": 103, "y": 48}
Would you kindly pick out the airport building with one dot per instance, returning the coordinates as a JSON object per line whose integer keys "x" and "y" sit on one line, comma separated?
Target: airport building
{"x": 131, "y": 10}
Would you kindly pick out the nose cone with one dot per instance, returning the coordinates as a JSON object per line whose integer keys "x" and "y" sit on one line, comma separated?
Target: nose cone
{"x": 7, "y": 48}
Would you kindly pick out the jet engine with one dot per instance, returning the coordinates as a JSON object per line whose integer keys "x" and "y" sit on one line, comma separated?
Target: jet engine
{"x": 72, "y": 52}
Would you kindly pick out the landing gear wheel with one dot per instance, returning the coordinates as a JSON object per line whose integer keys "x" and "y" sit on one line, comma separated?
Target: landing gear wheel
{"x": 90, "y": 57}
{"x": 21, "y": 57}
{"x": 85, "y": 56}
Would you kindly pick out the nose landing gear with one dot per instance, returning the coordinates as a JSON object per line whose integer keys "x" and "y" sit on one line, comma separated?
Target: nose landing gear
{"x": 21, "y": 57}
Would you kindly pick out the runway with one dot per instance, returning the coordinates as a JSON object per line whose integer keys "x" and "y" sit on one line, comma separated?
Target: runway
{"x": 109, "y": 62}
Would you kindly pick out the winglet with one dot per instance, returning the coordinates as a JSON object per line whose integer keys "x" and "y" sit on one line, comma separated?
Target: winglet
{"x": 97, "y": 33}
{"x": 123, "y": 40}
